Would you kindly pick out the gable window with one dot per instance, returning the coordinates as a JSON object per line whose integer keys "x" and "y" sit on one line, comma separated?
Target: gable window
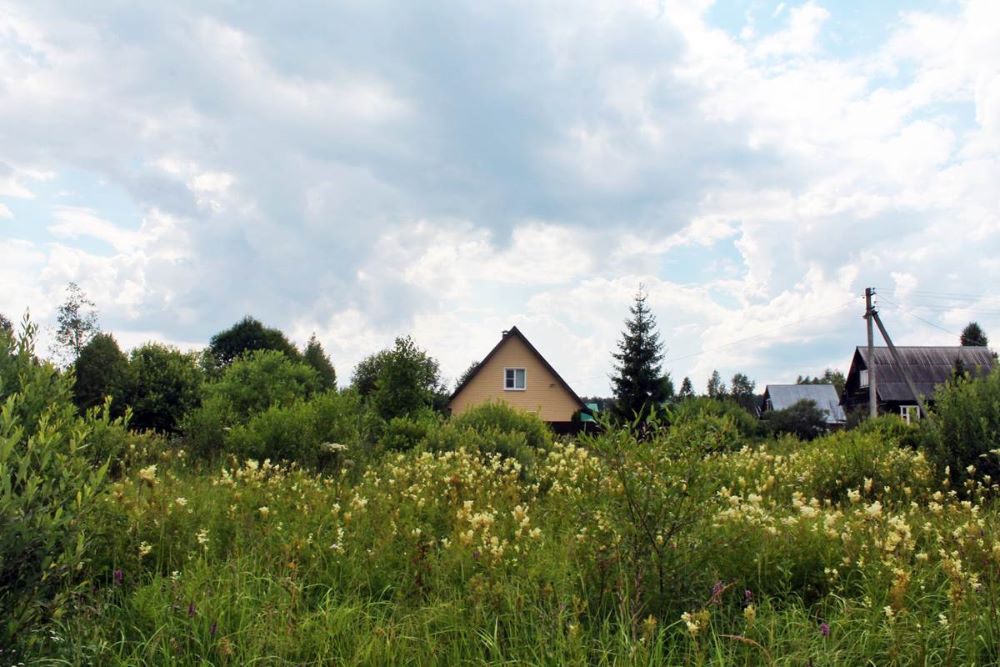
{"x": 863, "y": 378}
{"x": 515, "y": 379}
{"x": 909, "y": 413}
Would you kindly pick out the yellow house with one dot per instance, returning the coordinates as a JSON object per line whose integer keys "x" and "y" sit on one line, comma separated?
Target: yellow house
{"x": 514, "y": 372}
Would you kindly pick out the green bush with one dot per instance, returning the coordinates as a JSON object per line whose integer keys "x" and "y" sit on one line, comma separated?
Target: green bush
{"x": 502, "y": 418}
{"x": 261, "y": 379}
{"x": 319, "y": 431}
{"x": 254, "y": 383}
{"x": 47, "y": 487}
{"x": 966, "y": 428}
{"x": 404, "y": 433}
{"x": 695, "y": 409}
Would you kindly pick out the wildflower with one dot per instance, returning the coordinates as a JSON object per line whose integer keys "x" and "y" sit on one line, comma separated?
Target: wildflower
{"x": 748, "y": 596}
{"x": 181, "y": 501}
{"x": 202, "y": 536}
{"x": 824, "y": 629}
{"x": 333, "y": 447}
{"x": 264, "y": 511}
{"x": 874, "y": 510}
{"x": 119, "y": 577}
{"x": 649, "y": 626}
{"x": 889, "y": 613}
{"x": 868, "y": 484}
{"x": 191, "y": 610}
{"x": 144, "y": 549}
{"x": 943, "y": 620}
{"x": 535, "y": 533}
{"x": 148, "y": 474}
{"x": 750, "y": 614}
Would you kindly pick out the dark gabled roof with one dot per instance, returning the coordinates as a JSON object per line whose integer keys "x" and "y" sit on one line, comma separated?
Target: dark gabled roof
{"x": 823, "y": 395}
{"x": 926, "y": 366}
{"x": 514, "y": 332}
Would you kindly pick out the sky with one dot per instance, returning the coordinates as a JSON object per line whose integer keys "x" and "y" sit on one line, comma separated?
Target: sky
{"x": 366, "y": 169}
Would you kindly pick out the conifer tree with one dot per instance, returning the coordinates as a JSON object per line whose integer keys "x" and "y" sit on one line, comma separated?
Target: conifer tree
{"x": 639, "y": 384}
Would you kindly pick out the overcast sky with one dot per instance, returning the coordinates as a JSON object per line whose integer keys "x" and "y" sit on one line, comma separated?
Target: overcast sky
{"x": 366, "y": 169}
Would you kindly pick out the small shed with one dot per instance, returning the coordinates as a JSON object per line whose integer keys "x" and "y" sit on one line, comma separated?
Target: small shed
{"x": 781, "y": 396}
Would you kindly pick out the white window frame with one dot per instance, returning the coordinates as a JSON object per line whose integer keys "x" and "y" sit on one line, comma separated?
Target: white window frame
{"x": 863, "y": 378}
{"x": 905, "y": 412}
{"x": 514, "y": 387}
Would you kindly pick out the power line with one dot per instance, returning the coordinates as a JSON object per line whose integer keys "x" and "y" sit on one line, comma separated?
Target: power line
{"x": 928, "y": 322}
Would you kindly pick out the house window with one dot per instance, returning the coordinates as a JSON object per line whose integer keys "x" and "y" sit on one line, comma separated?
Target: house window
{"x": 863, "y": 378}
{"x": 909, "y": 413}
{"x": 514, "y": 379}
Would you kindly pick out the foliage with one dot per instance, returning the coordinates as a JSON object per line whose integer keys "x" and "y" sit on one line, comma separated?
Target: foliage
{"x": 47, "y": 489}
{"x": 77, "y": 324}
{"x": 687, "y": 389}
{"x": 400, "y": 381}
{"x": 248, "y": 335}
{"x": 639, "y": 383}
{"x": 316, "y": 357}
{"x": 314, "y": 432}
{"x": 500, "y": 417}
{"x": 161, "y": 387}
{"x": 6, "y": 326}
{"x": 722, "y": 416}
{"x": 804, "y": 419}
{"x": 829, "y": 376}
{"x": 716, "y": 388}
{"x": 261, "y": 379}
{"x": 964, "y": 437}
{"x": 256, "y": 382}
{"x": 463, "y": 378}
{"x": 973, "y": 335}
{"x": 742, "y": 392}
{"x": 101, "y": 370}
{"x": 694, "y": 543}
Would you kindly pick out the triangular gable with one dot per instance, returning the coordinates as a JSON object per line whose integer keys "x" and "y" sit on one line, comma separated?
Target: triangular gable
{"x": 514, "y": 332}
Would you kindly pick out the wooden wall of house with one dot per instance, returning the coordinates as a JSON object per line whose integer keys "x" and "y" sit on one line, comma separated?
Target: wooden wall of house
{"x": 543, "y": 395}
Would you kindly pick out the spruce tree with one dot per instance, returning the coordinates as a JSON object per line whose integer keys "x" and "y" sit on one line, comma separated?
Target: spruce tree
{"x": 639, "y": 384}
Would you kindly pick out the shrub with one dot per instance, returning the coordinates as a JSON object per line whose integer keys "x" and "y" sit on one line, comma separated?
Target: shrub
{"x": 404, "y": 433}
{"x": 715, "y": 425}
{"x": 310, "y": 432}
{"x": 260, "y": 379}
{"x": 253, "y": 384}
{"x": 502, "y": 418}
{"x": 966, "y": 427}
{"x": 47, "y": 486}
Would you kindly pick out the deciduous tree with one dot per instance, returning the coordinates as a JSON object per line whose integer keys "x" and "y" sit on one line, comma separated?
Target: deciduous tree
{"x": 245, "y": 336}
{"x": 77, "y": 324}
{"x": 316, "y": 357}
{"x": 101, "y": 370}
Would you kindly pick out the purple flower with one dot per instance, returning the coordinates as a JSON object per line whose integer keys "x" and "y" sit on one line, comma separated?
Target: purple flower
{"x": 824, "y": 629}
{"x": 212, "y": 630}
{"x": 475, "y": 554}
{"x": 119, "y": 577}
{"x": 191, "y": 610}
{"x": 748, "y": 596}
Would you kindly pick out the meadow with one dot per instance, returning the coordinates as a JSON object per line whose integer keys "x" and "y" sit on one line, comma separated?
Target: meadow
{"x": 485, "y": 540}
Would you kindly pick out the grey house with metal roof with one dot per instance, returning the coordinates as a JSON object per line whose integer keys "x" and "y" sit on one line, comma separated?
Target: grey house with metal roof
{"x": 782, "y": 396}
{"x": 927, "y": 367}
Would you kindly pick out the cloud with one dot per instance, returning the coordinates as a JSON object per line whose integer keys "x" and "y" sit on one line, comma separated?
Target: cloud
{"x": 364, "y": 170}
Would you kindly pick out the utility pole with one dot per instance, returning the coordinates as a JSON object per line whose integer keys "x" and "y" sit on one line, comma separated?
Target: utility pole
{"x": 869, "y": 316}
{"x": 902, "y": 369}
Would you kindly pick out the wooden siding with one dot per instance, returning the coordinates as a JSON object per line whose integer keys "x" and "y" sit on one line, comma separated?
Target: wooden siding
{"x": 544, "y": 394}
